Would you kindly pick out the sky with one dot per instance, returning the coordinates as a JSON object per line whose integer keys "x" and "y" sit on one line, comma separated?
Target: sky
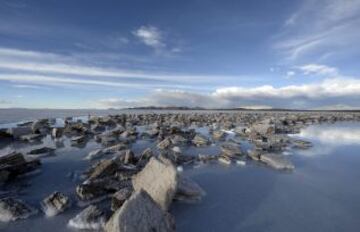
{"x": 302, "y": 54}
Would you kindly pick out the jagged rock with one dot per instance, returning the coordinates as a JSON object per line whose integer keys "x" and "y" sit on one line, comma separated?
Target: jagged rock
{"x": 178, "y": 140}
{"x": 224, "y": 160}
{"x": 159, "y": 179}
{"x": 13, "y": 209}
{"x": 164, "y": 144}
{"x": 188, "y": 190}
{"x": 103, "y": 169}
{"x": 140, "y": 213}
{"x": 14, "y": 164}
{"x": 146, "y": 154}
{"x": 17, "y": 132}
{"x": 119, "y": 198}
{"x": 200, "y": 140}
{"x": 276, "y": 161}
{"x": 115, "y": 148}
{"x": 55, "y": 203}
{"x": 231, "y": 149}
{"x": 91, "y": 218}
{"x": 100, "y": 188}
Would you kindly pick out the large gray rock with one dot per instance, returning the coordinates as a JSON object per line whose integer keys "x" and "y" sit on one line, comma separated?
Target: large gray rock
{"x": 159, "y": 179}
{"x": 55, "y": 203}
{"x": 140, "y": 213}
{"x": 13, "y": 209}
{"x": 120, "y": 197}
{"x": 91, "y": 218}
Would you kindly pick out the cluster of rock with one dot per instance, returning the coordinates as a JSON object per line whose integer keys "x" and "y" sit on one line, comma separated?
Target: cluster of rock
{"x": 142, "y": 186}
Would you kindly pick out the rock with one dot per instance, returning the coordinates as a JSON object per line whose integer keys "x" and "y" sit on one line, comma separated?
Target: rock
{"x": 276, "y": 161}
{"x": 146, "y": 154}
{"x": 231, "y": 149}
{"x": 55, "y": 203}
{"x": 31, "y": 137}
{"x": 14, "y": 164}
{"x": 115, "y": 148}
{"x": 218, "y": 135}
{"x": 119, "y": 198}
{"x": 40, "y": 126}
{"x": 13, "y": 209}
{"x": 17, "y": 132}
{"x": 95, "y": 154}
{"x": 56, "y": 132}
{"x": 224, "y": 160}
{"x": 103, "y": 169}
{"x": 200, "y": 140}
{"x": 159, "y": 179}
{"x": 41, "y": 150}
{"x": 301, "y": 144}
{"x": 178, "y": 140}
{"x": 176, "y": 149}
{"x": 91, "y": 218}
{"x": 140, "y": 213}
{"x": 188, "y": 190}
{"x": 78, "y": 140}
{"x": 164, "y": 144}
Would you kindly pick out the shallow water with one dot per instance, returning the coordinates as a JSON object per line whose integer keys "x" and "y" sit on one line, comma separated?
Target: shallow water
{"x": 322, "y": 194}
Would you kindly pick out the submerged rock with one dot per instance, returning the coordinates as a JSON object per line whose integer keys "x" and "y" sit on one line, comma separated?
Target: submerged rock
{"x": 13, "y": 209}
{"x": 200, "y": 140}
{"x": 91, "y": 218}
{"x": 159, "y": 179}
{"x": 55, "y": 203}
{"x": 140, "y": 213}
{"x": 276, "y": 161}
{"x": 188, "y": 190}
{"x": 41, "y": 150}
{"x": 17, "y": 132}
{"x": 231, "y": 149}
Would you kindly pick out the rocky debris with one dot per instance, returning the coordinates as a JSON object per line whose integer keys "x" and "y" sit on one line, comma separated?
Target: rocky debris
{"x": 159, "y": 179}
{"x": 301, "y": 144}
{"x": 164, "y": 144}
{"x": 95, "y": 154}
{"x": 4, "y": 134}
{"x": 91, "y": 218}
{"x": 231, "y": 149}
{"x": 54, "y": 204}
{"x": 218, "y": 135}
{"x": 200, "y": 140}
{"x": 12, "y": 209}
{"x": 78, "y": 140}
{"x": 14, "y": 164}
{"x": 120, "y": 197}
{"x": 115, "y": 148}
{"x": 140, "y": 213}
{"x": 188, "y": 190}
{"x": 100, "y": 188}
{"x": 263, "y": 127}
{"x": 103, "y": 169}
{"x": 146, "y": 155}
{"x": 41, "y": 150}
{"x": 17, "y": 132}
{"x": 224, "y": 160}
{"x": 57, "y": 132}
{"x": 178, "y": 140}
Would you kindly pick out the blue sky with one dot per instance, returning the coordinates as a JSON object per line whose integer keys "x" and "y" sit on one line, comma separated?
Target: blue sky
{"x": 100, "y": 54}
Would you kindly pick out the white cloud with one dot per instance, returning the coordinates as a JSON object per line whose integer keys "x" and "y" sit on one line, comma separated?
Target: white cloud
{"x": 321, "y": 27}
{"x": 318, "y": 69}
{"x": 151, "y": 36}
{"x": 290, "y": 74}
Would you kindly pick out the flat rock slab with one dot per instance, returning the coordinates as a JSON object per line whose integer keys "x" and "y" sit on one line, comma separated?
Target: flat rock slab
{"x": 140, "y": 213}
{"x": 91, "y": 218}
{"x": 159, "y": 180}
{"x": 277, "y": 161}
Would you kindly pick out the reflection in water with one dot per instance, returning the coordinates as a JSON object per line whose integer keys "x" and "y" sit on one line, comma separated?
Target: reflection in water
{"x": 341, "y": 134}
